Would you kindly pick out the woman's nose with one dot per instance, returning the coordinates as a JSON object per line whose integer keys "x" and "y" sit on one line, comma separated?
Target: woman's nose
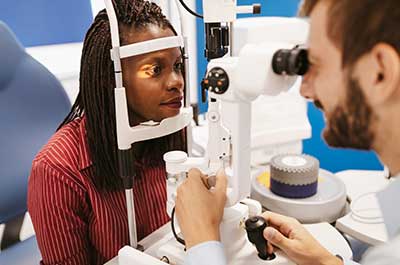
{"x": 175, "y": 82}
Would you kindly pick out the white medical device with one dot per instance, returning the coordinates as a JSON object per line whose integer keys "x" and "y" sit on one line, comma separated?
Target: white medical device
{"x": 248, "y": 58}
{"x": 127, "y": 135}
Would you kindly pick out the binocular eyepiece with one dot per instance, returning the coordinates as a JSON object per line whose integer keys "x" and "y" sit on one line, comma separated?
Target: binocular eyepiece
{"x": 291, "y": 61}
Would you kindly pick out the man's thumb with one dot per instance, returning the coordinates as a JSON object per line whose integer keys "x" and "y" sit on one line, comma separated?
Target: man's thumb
{"x": 276, "y": 238}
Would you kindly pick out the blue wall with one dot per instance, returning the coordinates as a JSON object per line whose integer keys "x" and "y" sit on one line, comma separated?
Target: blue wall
{"x": 335, "y": 159}
{"x": 42, "y": 22}
{"x": 331, "y": 159}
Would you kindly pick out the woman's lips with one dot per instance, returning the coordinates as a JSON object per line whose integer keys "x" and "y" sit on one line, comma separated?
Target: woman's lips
{"x": 173, "y": 105}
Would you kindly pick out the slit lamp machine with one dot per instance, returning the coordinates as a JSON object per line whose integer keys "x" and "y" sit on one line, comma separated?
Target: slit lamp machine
{"x": 246, "y": 58}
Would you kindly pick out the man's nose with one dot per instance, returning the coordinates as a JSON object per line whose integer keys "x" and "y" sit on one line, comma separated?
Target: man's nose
{"x": 306, "y": 88}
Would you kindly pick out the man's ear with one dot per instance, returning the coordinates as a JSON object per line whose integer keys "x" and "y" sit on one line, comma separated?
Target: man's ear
{"x": 378, "y": 72}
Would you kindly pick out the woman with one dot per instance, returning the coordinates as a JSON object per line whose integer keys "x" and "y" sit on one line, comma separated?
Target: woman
{"x": 75, "y": 198}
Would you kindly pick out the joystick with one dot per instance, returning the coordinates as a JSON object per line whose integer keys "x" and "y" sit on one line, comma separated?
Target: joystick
{"x": 255, "y": 227}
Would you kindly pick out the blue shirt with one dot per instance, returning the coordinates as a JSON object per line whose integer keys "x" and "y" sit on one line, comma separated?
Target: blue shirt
{"x": 212, "y": 252}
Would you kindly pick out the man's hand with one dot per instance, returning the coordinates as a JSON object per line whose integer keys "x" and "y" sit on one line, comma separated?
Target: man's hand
{"x": 292, "y": 238}
{"x": 199, "y": 210}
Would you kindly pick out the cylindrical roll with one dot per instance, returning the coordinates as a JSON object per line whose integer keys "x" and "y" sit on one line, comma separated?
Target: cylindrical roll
{"x": 294, "y": 176}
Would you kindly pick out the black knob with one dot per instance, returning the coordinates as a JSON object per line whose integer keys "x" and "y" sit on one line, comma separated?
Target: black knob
{"x": 204, "y": 89}
{"x": 256, "y": 8}
{"x": 216, "y": 81}
{"x": 255, "y": 227}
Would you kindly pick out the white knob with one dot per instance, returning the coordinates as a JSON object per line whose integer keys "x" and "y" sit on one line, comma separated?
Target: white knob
{"x": 175, "y": 157}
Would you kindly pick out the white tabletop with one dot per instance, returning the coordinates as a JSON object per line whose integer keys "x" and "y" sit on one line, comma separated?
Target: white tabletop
{"x": 328, "y": 236}
{"x": 359, "y": 182}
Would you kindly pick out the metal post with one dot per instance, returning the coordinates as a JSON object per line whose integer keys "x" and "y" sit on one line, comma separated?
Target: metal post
{"x": 189, "y": 136}
{"x": 130, "y": 206}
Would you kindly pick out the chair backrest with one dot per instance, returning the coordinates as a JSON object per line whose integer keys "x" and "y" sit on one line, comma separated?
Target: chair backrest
{"x": 32, "y": 105}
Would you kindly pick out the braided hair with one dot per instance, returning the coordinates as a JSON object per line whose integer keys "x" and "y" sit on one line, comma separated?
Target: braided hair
{"x": 95, "y": 99}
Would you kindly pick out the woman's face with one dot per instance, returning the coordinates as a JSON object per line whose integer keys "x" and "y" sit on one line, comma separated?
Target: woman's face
{"x": 154, "y": 81}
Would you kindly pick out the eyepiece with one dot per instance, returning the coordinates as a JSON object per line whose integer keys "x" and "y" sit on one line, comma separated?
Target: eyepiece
{"x": 290, "y": 62}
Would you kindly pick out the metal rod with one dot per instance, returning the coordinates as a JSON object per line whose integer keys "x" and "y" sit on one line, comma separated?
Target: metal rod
{"x": 231, "y": 39}
{"x": 187, "y": 74}
{"x": 130, "y": 207}
{"x": 189, "y": 136}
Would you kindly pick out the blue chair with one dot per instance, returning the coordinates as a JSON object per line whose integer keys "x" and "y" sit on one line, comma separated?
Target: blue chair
{"x": 32, "y": 104}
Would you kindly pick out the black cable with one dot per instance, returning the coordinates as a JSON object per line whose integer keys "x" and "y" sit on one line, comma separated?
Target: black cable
{"x": 180, "y": 240}
{"x": 189, "y": 10}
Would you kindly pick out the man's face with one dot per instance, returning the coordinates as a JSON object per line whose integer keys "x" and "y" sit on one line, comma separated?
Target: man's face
{"x": 334, "y": 90}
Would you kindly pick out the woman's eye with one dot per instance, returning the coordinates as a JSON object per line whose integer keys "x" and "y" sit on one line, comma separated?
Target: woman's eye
{"x": 155, "y": 70}
{"x": 178, "y": 67}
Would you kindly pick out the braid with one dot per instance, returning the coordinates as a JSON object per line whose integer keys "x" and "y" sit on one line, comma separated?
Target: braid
{"x": 96, "y": 96}
{"x": 75, "y": 112}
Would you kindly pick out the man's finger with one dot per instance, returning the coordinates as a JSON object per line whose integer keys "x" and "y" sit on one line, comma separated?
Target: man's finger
{"x": 196, "y": 180}
{"x": 194, "y": 173}
{"x": 270, "y": 248}
{"x": 276, "y": 238}
{"x": 206, "y": 181}
{"x": 282, "y": 223}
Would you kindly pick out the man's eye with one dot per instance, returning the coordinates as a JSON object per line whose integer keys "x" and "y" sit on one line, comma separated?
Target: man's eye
{"x": 312, "y": 67}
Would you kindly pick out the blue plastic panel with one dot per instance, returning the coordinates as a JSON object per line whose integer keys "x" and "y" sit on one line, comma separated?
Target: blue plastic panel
{"x": 42, "y": 22}
{"x": 24, "y": 253}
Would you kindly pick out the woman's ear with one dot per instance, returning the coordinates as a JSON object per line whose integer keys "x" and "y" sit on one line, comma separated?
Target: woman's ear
{"x": 378, "y": 72}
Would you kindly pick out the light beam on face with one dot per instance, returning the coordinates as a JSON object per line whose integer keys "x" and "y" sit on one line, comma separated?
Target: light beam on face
{"x": 146, "y": 71}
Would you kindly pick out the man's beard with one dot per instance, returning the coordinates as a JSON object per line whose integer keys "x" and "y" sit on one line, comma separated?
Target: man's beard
{"x": 349, "y": 125}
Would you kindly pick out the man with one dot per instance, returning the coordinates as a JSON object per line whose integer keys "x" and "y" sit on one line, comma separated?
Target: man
{"x": 354, "y": 51}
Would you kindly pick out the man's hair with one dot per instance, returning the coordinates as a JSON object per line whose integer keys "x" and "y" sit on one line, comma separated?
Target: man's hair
{"x": 356, "y": 26}
{"x": 95, "y": 100}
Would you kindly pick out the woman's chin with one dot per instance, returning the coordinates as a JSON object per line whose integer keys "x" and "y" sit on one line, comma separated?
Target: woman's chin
{"x": 170, "y": 113}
